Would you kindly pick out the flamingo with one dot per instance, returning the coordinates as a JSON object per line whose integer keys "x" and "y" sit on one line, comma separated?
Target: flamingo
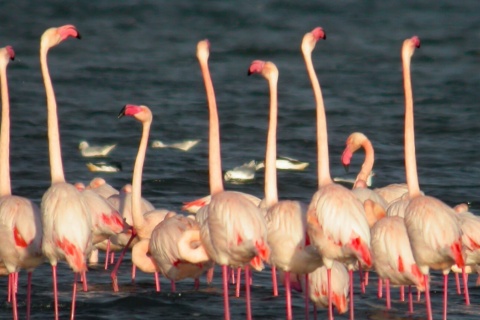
{"x": 143, "y": 224}
{"x": 195, "y": 205}
{"x": 433, "y": 229}
{"x": 286, "y": 220}
{"x": 336, "y": 221}
{"x": 62, "y": 203}
{"x": 177, "y": 250}
{"x": 100, "y": 186}
{"x": 233, "y": 229}
{"x": 20, "y": 218}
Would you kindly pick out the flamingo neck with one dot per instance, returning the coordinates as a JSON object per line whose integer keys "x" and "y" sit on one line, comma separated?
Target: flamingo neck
{"x": 55, "y": 152}
{"x": 271, "y": 193}
{"x": 141, "y": 259}
{"x": 367, "y": 165}
{"x": 190, "y": 247}
{"x": 137, "y": 214}
{"x": 322, "y": 137}
{"x": 5, "y": 184}
{"x": 214, "y": 155}
{"x": 410, "y": 158}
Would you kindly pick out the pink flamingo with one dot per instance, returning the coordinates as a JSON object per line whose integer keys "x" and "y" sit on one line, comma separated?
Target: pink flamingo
{"x": 143, "y": 224}
{"x": 336, "y": 218}
{"x": 100, "y": 186}
{"x": 433, "y": 229}
{"x": 286, "y": 220}
{"x": 62, "y": 203}
{"x": 177, "y": 250}
{"x": 20, "y": 218}
{"x": 195, "y": 205}
{"x": 233, "y": 229}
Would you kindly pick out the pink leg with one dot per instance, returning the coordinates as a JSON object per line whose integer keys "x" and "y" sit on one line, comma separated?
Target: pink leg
{"x": 14, "y": 297}
{"x": 10, "y": 285}
{"x": 196, "y": 284}
{"x": 360, "y": 273}
{"x": 107, "y": 253}
{"x": 402, "y": 293}
{"x": 74, "y": 297}
{"x": 306, "y": 296}
{"x": 457, "y": 282}
{"x": 112, "y": 257}
{"x": 445, "y": 295}
{"x": 237, "y": 291}
{"x": 380, "y": 289}
{"x": 365, "y": 277}
{"x": 288, "y": 297}
{"x": 352, "y": 315}
{"x": 157, "y": 282}
{"x": 29, "y": 293}
{"x": 233, "y": 275}
{"x": 134, "y": 272}
{"x": 387, "y": 293}
{"x": 329, "y": 289}
{"x": 55, "y": 292}
{"x": 173, "y": 286}
{"x": 225, "y": 292}
{"x": 314, "y": 311}
{"x": 427, "y": 298}
{"x": 274, "y": 281}
{"x": 410, "y": 299}
{"x": 247, "y": 291}
{"x": 419, "y": 295}
{"x": 84, "y": 281}
{"x": 465, "y": 286}
{"x": 210, "y": 275}
{"x": 113, "y": 275}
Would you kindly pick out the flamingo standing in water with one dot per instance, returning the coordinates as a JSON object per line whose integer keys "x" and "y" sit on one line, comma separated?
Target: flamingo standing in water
{"x": 143, "y": 224}
{"x": 67, "y": 226}
{"x": 286, "y": 220}
{"x": 233, "y": 229}
{"x": 434, "y": 232}
{"x": 336, "y": 218}
{"x": 20, "y": 218}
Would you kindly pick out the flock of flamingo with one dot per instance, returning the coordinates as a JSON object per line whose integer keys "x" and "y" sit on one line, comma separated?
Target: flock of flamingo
{"x": 396, "y": 231}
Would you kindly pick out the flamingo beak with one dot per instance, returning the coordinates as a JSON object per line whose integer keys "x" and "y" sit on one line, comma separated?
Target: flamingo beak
{"x": 122, "y": 112}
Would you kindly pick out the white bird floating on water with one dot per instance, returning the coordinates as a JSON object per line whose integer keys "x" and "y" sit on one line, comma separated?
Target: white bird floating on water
{"x": 242, "y": 173}
{"x": 286, "y": 163}
{"x": 183, "y": 145}
{"x": 95, "y": 151}
{"x": 104, "y": 166}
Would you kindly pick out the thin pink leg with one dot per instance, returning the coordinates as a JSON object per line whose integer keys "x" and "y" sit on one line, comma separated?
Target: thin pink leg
{"x": 210, "y": 275}
{"x": 14, "y": 297}
{"x": 74, "y": 297}
{"x": 314, "y": 311}
{"x": 84, "y": 281}
{"x": 457, "y": 282}
{"x": 352, "y": 314}
{"x": 306, "y": 296}
{"x": 410, "y": 299}
{"x": 226, "y": 305}
{"x": 9, "y": 294}
{"x": 465, "y": 286}
{"x": 196, "y": 284}
{"x": 288, "y": 296}
{"x": 387, "y": 293}
{"x": 157, "y": 282}
{"x": 247, "y": 291}
{"x": 173, "y": 286}
{"x": 365, "y": 277}
{"x": 427, "y": 298}
{"x": 274, "y": 281}
{"x": 29, "y": 293}
{"x": 237, "y": 291}
{"x": 402, "y": 293}
{"x": 329, "y": 289}
{"x": 380, "y": 288}
{"x": 445, "y": 295}
{"x": 113, "y": 275}
{"x": 55, "y": 292}
{"x": 112, "y": 257}
{"x": 419, "y": 295}
{"x": 362, "y": 282}
{"x": 107, "y": 254}
{"x": 233, "y": 275}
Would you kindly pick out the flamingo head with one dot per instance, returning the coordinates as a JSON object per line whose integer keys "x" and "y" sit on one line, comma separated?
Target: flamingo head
{"x": 53, "y": 36}
{"x": 311, "y": 38}
{"x": 353, "y": 143}
{"x": 7, "y": 54}
{"x": 203, "y": 50}
{"x": 266, "y": 68}
{"x": 256, "y": 66}
{"x": 409, "y": 46}
{"x": 141, "y": 113}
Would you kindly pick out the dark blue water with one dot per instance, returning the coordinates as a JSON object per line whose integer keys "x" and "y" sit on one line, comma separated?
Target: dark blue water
{"x": 143, "y": 52}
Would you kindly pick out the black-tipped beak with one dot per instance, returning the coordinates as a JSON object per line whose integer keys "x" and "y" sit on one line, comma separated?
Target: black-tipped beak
{"x": 249, "y": 72}
{"x": 122, "y": 112}
{"x": 78, "y": 36}
{"x": 346, "y": 167}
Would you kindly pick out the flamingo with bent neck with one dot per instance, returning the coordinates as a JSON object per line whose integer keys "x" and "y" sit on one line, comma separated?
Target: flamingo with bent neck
{"x": 62, "y": 203}
{"x": 233, "y": 229}
{"x": 336, "y": 220}
{"x": 20, "y": 218}
{"x": 434, "y": 231}
{"x": 286, "y": 220}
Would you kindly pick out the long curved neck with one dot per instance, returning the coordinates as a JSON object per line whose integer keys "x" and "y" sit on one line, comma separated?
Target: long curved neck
{"x": 322, "y": 138}
{"x": 367, "y": 165}
{"x": 190, "y": 247}
{"x": 410, "y": 158}
{"x": 5, "y": 185}
{"x": 55, "y": 153}
{"x": 214, "y": 155}
{"x": 271, "y": 193}
{"x": 141, "y": 259}
{"x": 137, "y": 214}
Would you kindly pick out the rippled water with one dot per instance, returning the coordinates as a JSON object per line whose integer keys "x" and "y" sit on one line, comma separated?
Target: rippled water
{"x": 143, "y": 52}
